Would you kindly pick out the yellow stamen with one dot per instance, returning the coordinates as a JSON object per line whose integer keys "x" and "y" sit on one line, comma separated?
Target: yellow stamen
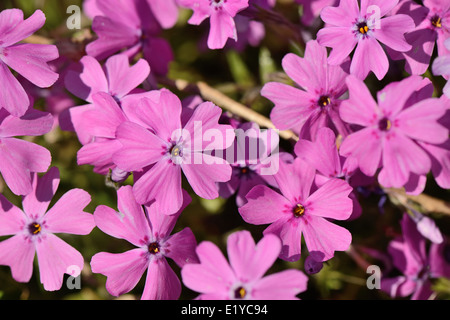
{"x": 299, "y": 210}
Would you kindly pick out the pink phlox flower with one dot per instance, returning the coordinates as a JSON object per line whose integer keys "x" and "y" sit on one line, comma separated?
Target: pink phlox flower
{"x": 149, "y": 230}
{"x": 441, "y": 67}
{"x": 242, "y": 278}
{"x": 364, "y": 27}
{"x": 299, "y": 209}
{"x": 34, "y": 227}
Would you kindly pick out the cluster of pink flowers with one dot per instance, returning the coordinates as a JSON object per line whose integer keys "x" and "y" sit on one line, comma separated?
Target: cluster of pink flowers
{"x": 131, "y": 129}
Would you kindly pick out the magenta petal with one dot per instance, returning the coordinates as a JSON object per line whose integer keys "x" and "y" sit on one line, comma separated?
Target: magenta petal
{"x": 331, "y": 200}
{"x": 67, "y": 215}
{"x": 32, "y": 123}
{"x": 203, "y": 176}
{"x": 343, "y": 15}
{"x": 93, "y": 76}
{"x": 161, "y": 183}
{"x": 212, "y": 274}
{"x": 222, "y": 28}
{"x": 384, "y": 6}
{"x": 12, "y": 96}
{"x": 17, "y": 252}
{"x": 44, "y": 188}
{"x": 369, "y": 56}
{"x": 284, "y": 285}
{"x": 392, "y": 30}
{"x": 12, "y": 219}
{"x": 123, "y": 270}
{"x": 98, "y": 154}
{"x": 30, "y": 61}
{"x": 263, "y": 206}
{"x": 55, "y": 258}
{"x": 129, "y": 223}
{"x": 249, "y": 261}
{"x": 162, "y": 283}
{"x": 323, "y": 236}
{"x": 165, "y": 11}
{"x": 295, "y": 180}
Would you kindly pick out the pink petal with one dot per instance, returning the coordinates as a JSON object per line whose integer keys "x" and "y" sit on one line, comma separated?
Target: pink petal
{"x": 32, "y": 123}
{"x": 123, "y": 270}
{"x": 203, "y": 176}
{"x": 392, "y": 32}
{"x": 340, "y": 39}
{"x": 343, "y": 15}
{"x": 402, "y": 156}
{"x": 182, "y": 248}
{"x": 12, "y": 219}
{"x": 44, "y": 188}
{"x": 12, "y": 96}
{"x": 212, "y": 274}
{"x": 67, "y": 215}
{"x": 326, "y": 237}
{"x": 165, "y": 11}
{"x": 99, "y": 154}
{"x": 384, "y": 6}
{"x": 263, "y": 206}
{"x": 55, "y": 258}
{"x": 122, "y": 77}
{"x": 162, "y": 283}
{"x": 18, "y": 159}
{"x": 93, "y": 76}
{"x": 417, "y": 122}
{"x": 19, "y": 29}
{"x": 161, "y": 183}
{"x": 129, "y": 223}
{"x": 284, "y": 285}
{"x": 369, "y": 56}
{"x": 30, "y": 61}
{"x": 365, "y": 145}
{"x": 140, "y": 147}
{"x": 331, "y": 200}
{"x": 17, "y": 252}
{"x": 292, "y": 108}
{"x": 222, "y": 28}
{"x": 249, "y": 261}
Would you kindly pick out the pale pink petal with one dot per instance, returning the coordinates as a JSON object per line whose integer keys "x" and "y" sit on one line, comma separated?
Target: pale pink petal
{"x": 340, "y": 39}
{"x": 93, "y": 76}
{"x": 284, "y": 285}
{"x": 343, "y": 15}
{"x": 162, "y": 283}
{"x": 17, "y": 252}
{"x": 67, "y": 215}
{"x": 181, "y": 247}
{"x": 129, "y": 223}
{"x": 32, "y": 123}
{"x": 249, "y": 261}
{"x": 19, "y": 28}
{"x": 165, "y": 11}
{"x": 212, "y": 274}
{"x": 123, "y": 270}
{"x": 55, "y": 258}
{"x": 99, "y": 154}
{"x": 384, "y": 6}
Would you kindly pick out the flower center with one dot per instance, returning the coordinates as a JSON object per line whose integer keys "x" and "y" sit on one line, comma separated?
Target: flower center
{"x": 175, "y": 151}
{"x": 298, "y": 210}
{"x": 384, "y": 124}
{"x": 362, "y": 27}
{"x": 324, "y": 101}
{"x": 240, "y": 293}
{"x": 436, "y": 21}
{"x": 34, "y": 228}
{"x": 153, "y": 248}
